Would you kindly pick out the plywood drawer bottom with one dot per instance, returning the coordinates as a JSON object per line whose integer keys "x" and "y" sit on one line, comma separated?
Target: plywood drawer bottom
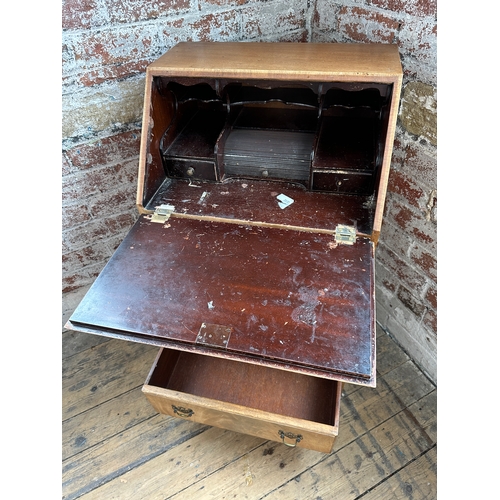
{"x": 283, "y": 406}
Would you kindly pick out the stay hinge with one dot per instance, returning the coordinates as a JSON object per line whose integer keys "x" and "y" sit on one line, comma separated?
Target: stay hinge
{"x": 345, "y": 235}
{"x": 162, "y": 213}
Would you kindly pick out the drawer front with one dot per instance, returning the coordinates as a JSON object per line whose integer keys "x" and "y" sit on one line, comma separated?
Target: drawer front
{"x": 291, "y": 432}
{"x": 277, "y": 154}
{"x": 191, "y": 168}
{"x": 228, "y": 394}
{"x": 348, "y": 183}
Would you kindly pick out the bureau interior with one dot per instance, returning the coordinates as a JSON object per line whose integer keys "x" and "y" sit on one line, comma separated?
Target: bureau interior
{"x": 251, "y": 385}
{"x": 326, "y": 136}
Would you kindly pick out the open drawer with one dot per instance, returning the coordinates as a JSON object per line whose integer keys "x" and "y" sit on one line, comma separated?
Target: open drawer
{"x": 274, "y": 404}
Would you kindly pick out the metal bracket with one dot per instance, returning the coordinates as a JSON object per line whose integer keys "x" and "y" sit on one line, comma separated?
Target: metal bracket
{"x": 162, "y": 213}
{"x": 214, "y": 335}
{"x": 345, "y": 235}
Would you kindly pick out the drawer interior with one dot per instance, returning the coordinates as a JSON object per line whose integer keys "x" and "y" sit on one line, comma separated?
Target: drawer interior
{"x": 253, "y": 386}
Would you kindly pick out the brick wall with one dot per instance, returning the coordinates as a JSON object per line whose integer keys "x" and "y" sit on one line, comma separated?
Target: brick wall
{"x": 406, "y": 257}
{"x": 106, "y": 47}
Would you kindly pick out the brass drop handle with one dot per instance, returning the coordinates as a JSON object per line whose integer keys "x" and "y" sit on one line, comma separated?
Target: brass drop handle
{"x": 183, "y": 412}
{"x": 290, "y": 435}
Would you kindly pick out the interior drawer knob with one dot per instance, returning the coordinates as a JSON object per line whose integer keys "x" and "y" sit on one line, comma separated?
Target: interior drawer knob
{"x": 182, "y": 412}
{"x": 190, "y": 171}
{"x": 290, "y": 435}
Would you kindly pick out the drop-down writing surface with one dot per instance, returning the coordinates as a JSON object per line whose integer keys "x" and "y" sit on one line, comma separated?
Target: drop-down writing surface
{"x": 285, "y": 296}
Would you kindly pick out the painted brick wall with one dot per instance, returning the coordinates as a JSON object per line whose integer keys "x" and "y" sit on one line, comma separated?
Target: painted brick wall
{"x": 406, "y": 273}
{"x": 106, "y": 47}
{"x": 108, "y": 43}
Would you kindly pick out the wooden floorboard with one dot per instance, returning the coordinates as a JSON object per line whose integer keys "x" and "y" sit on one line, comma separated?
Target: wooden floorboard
{"x": 115, "y": 446}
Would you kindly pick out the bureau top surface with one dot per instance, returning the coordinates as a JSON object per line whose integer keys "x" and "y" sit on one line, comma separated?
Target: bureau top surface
{"x": 313, "y": 61}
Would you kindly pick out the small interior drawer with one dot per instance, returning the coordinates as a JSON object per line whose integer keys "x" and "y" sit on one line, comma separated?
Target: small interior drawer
{"x": 189, "y": 168}
{"x": 343, "y": 182}
{"x": 279, "y": 405}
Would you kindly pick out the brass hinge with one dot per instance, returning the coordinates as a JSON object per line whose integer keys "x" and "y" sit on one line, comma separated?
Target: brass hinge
{"x": 345, "y": 235}
{"x": 162, "y": 213}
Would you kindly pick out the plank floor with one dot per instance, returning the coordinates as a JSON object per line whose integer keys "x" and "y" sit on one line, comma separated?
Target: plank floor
{"x": 115, "y": 446}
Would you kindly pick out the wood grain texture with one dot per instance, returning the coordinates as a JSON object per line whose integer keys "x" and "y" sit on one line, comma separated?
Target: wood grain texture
{"x": 175, "y": 469}
{"x": 82, "y": 385}
{"x": 289, "y": 297}
{"x": 246, "y": 398}
{"x": 314, "y": 61}
{"x": 243, "y": 201}
{"x": 417, "y": 481}
{"x": 386, "y": 161}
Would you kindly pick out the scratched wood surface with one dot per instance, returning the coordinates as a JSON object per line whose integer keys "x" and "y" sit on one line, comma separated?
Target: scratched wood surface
{"x": 285, "y": 296}
{"x": 115, "y": 446}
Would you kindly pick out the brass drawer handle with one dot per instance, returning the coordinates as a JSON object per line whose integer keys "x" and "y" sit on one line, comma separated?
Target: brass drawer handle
{"x": 290, "y": 435}
{"x": 182, "y": 412}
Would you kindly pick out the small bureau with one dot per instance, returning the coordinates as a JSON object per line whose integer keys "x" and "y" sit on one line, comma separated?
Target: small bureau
{"x": 262, "y": 179}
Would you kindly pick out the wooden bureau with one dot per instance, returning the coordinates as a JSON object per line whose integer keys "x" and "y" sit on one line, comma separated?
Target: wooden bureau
{"x": 262, "y": 179}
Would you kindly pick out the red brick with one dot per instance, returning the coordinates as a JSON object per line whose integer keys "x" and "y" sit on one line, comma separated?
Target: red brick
{"x": 413, "y": 223}
{"x": 403, "y": 185}
{"x": 121, "y": 222}
{"x": 105, "y": 228}
{"x": 67, "y": 61}
{"x": 123, "y": 198}
{"x": 127, "y": 11}
{"x": 81, "y": 277}
{"x": 418, "y": 38}
{"x": 398, "y": 153}
{"x": 95, "y": 181}
{"x": 412, "y": 7}
{"x": 425, "y": 261}
{"x": 263, "y": 20}
{"x": 431, "y": 296}
{"x": 363, "y": 25}
{"x": 74, "y": 215}
{"x": 89, "y": 255}
{"x": 65, "y": 247}
{"x": 104, "y": 151}
{"x": 385, "y": 277}
{"x": 204, "y": 4}
{"x": 119, "y": 45}
{"x": 293, "y": 20}
{"x": 421, "y": 164}
{"x": 83, "y": 14}
{"x": 214, "y": 27}
{"x": 408, "y": 276}
{"x": 325, "y": 16}
{"x": 301, "y": 36}
{"x": 108, "y": 73}
{"x": 411, "y": 302}
{"x": 398, "y": 241}
{"x": 79, "y": 237}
